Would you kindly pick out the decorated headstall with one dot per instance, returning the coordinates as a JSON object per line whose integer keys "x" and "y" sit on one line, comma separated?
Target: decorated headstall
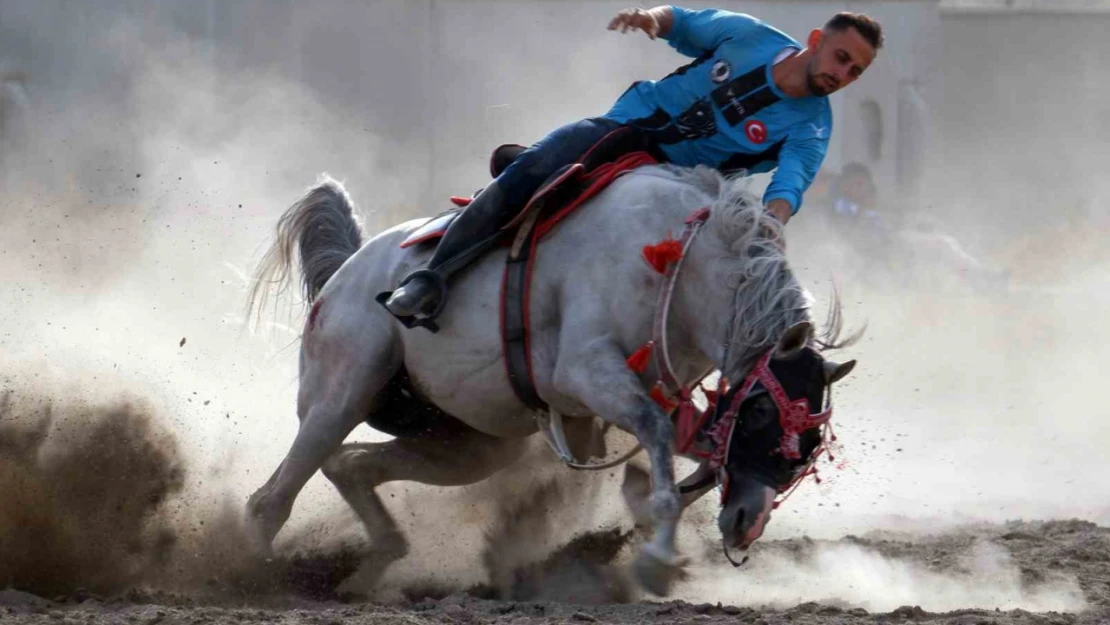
{"x": 805, "y": 435}
{"x": 784, "y": 462}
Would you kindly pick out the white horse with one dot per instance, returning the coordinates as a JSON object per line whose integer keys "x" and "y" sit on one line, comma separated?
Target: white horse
{"x": 735, "y": 305}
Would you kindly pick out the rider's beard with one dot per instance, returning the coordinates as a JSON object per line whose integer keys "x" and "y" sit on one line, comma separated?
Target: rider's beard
{"x": 815, "y": 86}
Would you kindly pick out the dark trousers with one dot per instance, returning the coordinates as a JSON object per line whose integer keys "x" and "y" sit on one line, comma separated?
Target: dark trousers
{"x": 560, "y": 147}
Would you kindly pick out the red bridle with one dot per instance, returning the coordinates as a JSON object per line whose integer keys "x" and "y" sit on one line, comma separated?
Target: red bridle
{"x": 794, "y": 416}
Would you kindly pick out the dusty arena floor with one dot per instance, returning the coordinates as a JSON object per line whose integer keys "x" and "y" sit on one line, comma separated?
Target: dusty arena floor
{"x": 93, "y": 530}
{"x": 1056, "y": 556}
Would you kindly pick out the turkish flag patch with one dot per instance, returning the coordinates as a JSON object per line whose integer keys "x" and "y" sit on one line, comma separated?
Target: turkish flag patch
{"x": 756, "y": 131}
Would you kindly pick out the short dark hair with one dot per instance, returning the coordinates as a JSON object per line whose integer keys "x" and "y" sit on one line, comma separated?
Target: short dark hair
{"x": 867, "y": 27}
{"x": 857, "y": 169}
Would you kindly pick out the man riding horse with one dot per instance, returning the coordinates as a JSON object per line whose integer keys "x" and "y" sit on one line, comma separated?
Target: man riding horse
{"x": 754, "y": 99}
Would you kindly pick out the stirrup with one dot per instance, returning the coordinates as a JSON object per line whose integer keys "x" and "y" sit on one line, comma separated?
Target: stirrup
{"x": 422, "y": 321}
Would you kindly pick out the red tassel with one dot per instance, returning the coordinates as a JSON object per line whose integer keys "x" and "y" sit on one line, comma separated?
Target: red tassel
{"x": 687, "y": 424}
{"x": 656, "y": 395}
{"x": 638, "y": 361}
{"x": 662, "y": 254}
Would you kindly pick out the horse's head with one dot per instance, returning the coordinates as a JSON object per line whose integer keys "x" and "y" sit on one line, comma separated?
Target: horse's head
{"x": 773, "y": 432}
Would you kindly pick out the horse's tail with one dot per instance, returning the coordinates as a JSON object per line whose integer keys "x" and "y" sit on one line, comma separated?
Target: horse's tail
{"x": 323, "y": 228}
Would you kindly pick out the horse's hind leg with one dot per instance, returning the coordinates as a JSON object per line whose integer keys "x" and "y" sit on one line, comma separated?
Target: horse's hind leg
{"x": 456, "y": 460}
{"x": 342, "y": 370}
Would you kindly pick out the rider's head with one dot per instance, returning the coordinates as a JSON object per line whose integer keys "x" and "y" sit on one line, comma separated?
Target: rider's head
{"x": 841, "y": 51}
{"x": 857, "y": 184}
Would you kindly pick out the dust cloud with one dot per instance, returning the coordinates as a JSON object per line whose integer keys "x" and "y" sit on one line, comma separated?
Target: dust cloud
{"x": 85, "y": 489}
{"x": 982, "y": 575}
{"x": 164, "y": 144}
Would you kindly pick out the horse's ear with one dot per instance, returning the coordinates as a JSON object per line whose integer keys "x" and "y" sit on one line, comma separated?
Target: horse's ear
{"x": 794, "y": 340}
{"x": 835, "y": 371}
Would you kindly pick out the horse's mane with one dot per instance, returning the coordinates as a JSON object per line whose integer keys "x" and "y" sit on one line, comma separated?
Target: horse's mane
{"x": 768, "y": 299}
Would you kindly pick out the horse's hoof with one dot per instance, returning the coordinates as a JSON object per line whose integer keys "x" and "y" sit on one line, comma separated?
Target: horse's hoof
{"x": 389, "y": 547}
{"x": 656, "y": 574}
{"x": 258, "y": 533}
{"x": 386, "y": 549}
{"x": 255, "y": 540}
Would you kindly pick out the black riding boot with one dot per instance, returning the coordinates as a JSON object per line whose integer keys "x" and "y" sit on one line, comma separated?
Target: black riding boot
{"x": 474, "y": 231}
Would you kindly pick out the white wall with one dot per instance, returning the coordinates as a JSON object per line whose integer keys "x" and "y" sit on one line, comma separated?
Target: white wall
{"x": 446, "y": 81}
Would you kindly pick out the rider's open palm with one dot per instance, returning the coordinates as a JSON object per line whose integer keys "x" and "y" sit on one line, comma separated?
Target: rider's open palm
{"x": 635, "y": 19}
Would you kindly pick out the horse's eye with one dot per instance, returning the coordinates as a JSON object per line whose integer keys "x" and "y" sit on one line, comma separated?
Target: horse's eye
{"x": 760, "y": 413}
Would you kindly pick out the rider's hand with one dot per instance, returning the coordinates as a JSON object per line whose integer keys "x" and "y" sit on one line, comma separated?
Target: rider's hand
{"x": 780, "y": 210}
{"x": 635, "y": 19}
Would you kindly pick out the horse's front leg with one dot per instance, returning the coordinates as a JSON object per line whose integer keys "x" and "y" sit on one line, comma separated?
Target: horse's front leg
{"x": 595, "y": 374}
{"x": 636, "y": 490}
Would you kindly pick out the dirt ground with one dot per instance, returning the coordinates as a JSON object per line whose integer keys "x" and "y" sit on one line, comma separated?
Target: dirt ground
{"x": 91, "y": 531}
{"x": 1041, "y": 550}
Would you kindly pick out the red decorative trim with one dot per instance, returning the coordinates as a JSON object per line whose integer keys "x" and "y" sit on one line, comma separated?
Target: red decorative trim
{"x": 501, "y": 325}
{"x": 427, "y": 237}
{"x": 526, "y": 296}
{"x": 599, "y": 178}
{"x": 573, "y": 170}
{"x": 702, "y": 214}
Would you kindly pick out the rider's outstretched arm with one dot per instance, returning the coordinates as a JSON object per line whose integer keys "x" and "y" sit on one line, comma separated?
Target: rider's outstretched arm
{"x": 692, "y": 33}
{"x": 799, "y": 160}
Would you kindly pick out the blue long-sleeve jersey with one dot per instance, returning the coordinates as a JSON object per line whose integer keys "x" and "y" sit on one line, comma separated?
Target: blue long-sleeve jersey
{"x": 724, "y": 110}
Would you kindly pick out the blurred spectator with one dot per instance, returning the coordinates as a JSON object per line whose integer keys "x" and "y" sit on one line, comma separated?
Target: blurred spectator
{"x": 856, "y": 198}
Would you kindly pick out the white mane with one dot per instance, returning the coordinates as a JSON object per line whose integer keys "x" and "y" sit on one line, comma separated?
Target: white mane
{"x": 767, "y": 299}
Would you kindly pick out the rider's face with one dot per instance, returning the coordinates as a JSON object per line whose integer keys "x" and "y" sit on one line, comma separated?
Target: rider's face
{"x": 839, "y": 58}
{"x": 859, "y": 189}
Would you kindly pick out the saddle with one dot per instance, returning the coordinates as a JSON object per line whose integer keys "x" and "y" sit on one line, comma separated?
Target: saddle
{"x": 564, "y": 191}
{"x": 502, "y": 156}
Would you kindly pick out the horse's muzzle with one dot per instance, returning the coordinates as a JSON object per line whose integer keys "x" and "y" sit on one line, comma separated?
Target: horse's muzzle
{"x": 746, "y": 513}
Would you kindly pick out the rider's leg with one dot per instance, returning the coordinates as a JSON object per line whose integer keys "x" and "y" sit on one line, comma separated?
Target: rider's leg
{"x": 475, "y": 229}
